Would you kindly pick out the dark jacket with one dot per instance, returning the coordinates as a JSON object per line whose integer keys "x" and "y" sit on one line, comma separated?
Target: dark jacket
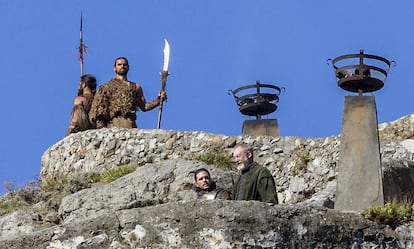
{"x": 256, "y": 183}
{"x": 213, "y": 193}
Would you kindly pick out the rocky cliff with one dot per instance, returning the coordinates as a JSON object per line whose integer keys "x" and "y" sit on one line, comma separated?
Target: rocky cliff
{"x": 154, "y": 206}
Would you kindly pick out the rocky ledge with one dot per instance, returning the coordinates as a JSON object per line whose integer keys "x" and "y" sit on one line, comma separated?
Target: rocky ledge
{"x": 154, "y": 206}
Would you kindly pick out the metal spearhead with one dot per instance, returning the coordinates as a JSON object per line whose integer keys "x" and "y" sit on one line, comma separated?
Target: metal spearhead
{"x": 164, "y": 72}
{"x": 166, "y": 56}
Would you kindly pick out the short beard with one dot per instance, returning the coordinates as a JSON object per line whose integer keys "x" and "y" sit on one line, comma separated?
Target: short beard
{"x": 242, "y": 166}
{"x": 124, "y": 73}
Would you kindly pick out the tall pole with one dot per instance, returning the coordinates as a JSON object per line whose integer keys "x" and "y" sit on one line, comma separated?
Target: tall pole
{"x": 81, "y": 48}
{"x": 164, "y": 75}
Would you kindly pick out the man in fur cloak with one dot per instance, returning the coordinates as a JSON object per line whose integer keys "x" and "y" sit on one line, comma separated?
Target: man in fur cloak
{"x": 117, "y": 101}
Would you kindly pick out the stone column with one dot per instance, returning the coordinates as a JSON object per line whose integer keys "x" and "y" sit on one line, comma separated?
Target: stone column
{"x": 261, "y": 127}
{"x": 359, "y": 179}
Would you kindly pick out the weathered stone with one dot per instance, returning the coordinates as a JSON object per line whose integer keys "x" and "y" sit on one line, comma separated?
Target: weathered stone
{"x": 360, "y": 157}
{"x": 149, "y": 185}
{"x": 154, "y": 208}
{"x": 146, "y": 147}
{"x": 399, "y": 129}
{"x": 219, "y": 224}
{"x": 18, "y": 223}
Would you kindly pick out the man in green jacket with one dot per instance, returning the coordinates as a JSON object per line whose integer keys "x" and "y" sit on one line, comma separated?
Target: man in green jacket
{"x": 255, "y": 181}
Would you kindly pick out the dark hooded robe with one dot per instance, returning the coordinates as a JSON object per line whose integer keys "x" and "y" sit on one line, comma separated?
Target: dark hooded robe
{"x": 255, "y": 183}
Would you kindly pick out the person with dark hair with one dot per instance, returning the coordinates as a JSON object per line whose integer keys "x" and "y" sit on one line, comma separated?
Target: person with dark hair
{"x": 255, "y": 181}
{"x": 117, "y": 101}
{"x": 206, "y": 188}
{"x": 82, "y": 103}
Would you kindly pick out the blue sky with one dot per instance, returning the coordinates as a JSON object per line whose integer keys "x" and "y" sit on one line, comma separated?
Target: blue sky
{"x": 216, "y": 45}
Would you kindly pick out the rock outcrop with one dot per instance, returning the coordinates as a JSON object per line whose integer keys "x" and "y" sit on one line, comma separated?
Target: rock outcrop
{"x": 219, "y": 224}
{"x": 301, "y": 167}
{"x": 154, "y": 206}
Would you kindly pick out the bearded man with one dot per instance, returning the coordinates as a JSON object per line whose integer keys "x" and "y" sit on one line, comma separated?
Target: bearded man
{"x": 255, "y": 181}
{"x": 82, "y": 103}
{"x": 117, "y": 101}
{"x": 206, "y": 188}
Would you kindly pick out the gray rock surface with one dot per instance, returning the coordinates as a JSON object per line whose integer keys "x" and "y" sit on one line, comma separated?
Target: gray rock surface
{"x": 149, "y": 185}
{"x": 154, "y": 206}
{"x": 214, "y": 224}
{"x": 301, "y": 167}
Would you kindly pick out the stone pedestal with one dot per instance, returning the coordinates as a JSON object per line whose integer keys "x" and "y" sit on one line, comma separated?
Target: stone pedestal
{"x": 359, "y": 179}
{"x": 263, "y": 127}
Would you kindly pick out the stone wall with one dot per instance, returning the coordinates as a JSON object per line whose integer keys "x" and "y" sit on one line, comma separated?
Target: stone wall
{"x": 154, "y": 206}
{"x": 397, "y": 130}
{"x": 301, "y": 166}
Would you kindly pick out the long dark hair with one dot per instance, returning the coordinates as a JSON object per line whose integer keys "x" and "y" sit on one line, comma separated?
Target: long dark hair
{"x": 90, "y": 81}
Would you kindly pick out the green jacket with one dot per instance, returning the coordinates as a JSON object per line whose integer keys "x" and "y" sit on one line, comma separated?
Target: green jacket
{"x": 259, "y": 185}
